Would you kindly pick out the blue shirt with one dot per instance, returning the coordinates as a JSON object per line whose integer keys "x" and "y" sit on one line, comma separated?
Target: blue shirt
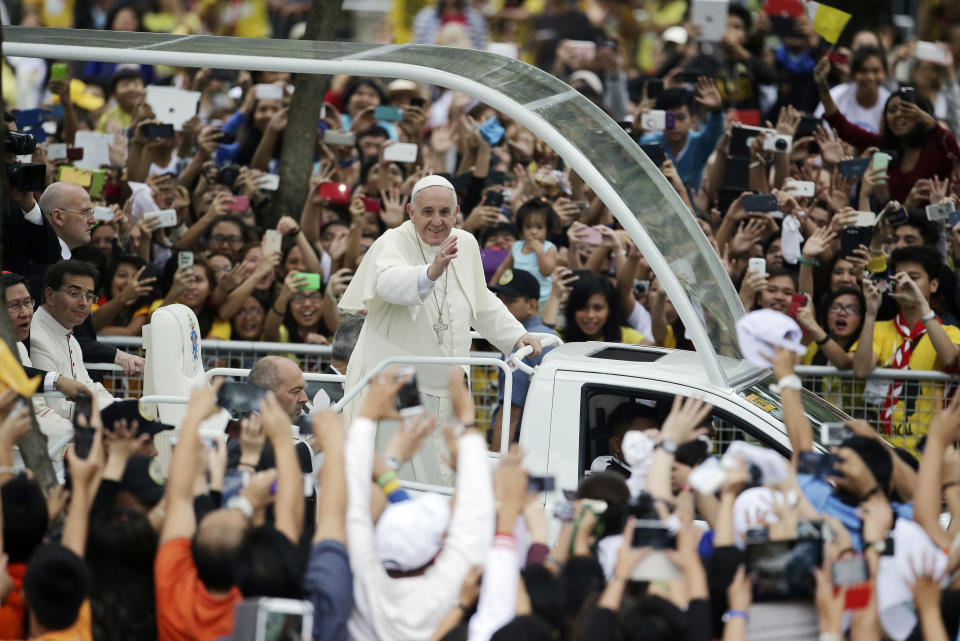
{"x": 521, "y": 380}
{"x": 693, "y": 157}
{"x": 822, "y": 497}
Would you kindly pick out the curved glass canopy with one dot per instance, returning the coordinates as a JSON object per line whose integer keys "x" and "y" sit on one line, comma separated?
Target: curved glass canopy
{"x": 587, "y": 139}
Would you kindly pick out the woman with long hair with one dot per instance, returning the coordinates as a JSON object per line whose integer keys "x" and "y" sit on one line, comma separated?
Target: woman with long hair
{"x": 921, "y": 148}
{"x": 193, "y": 287}
{"x": 124, "y": 304}
{"x": 593, "y": 312}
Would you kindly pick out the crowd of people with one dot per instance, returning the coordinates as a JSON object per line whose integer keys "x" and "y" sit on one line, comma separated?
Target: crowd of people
{"x": 826, "y": 177}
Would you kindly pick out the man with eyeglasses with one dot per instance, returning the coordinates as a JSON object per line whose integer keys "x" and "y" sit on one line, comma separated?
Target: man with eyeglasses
{"x": 68, "y": 294}
{"x": 20, "y": 306}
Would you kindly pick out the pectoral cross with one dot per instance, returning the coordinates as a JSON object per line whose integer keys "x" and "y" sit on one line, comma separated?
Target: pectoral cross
{"x": 439, "y": 328}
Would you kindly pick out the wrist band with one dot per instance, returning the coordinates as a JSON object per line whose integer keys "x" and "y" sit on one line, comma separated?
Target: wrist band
{"x": 929, "y": 316}
{"x": 813, "y": 262}
{"x": 823, "y": 341}
{"x": 792, "y": 381}
{"x": 386, "y": 478}
{"x": 391, "y": 486}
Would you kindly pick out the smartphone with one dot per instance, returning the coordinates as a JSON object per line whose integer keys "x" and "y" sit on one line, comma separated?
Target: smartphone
{"x": 268, "y": 92}
{"x": 954, "y": 218}
{"x": 760, "y": 203}
{"x": 853, "y": 168}
{"x": 240, "y": 398}
{"x": 800, "y": 188}
{"x": 808, "y": 124}
{"x": 408, "y": 398}
{"x": 82, "y": 440}
{"x": 582, "y": 50}
{"x": 834, "y": 433}
{"x": 655, "y": 152}
{"x": 881, "y": 160}
{"x": 819, "y": 465}
{"x": 930, "y": 52}
{"x": 68, "y": 174}
{"x": 493, "y": 198}
{"x": 654, "y": 87}
{"x": 57, "y": 151}
{"x": 564, "y": 512}
{"x": 783, "y": 570}
{"x": 336, "y": 193}
{"x": 590, "y": 236}
{"x": 272, "y": 241}
{"x": 908, "y": 94}
{"x": 268, "y": 182}
{"x": 401, "y": 152}
{"x": 104, "y": 214}
{"x": 939, "y": 211}
{"x": 417, "y": 102}
{"x": 227, "y": 137}
{"x": 167, "y": 217}
{"x": 846, "y": 572}
{"x": 796, "y": 302}
{"x": 389, "y": 114}
{"x": 757, "y": 265}
{"x": 492, "y": 131}
{"x": 852, "y": 237}
{"x": 652, "y": 533}
{"x": 82, "y": 407}
{"x": 185, "y": 259}
{"x": 154, "y": 130}
{"x": 371, "y": 205}
{"x": 838, "y": 57}
{"x": 312, "y": 281}
{"x": 865, "y": 219}
{"x": 339, "y": 138}
{"x": 539, "y": 484}
{"x": 58, "y": 71}
{"x": 238, "y": 203}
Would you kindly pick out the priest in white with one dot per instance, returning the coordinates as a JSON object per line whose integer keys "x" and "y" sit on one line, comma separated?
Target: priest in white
{"x": 422, "y": 287}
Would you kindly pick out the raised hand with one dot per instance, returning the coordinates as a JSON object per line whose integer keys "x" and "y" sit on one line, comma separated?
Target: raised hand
{"x": 707, "y": 94}
{"x": 446, "y": 254}
{"x": 685, "y": 418}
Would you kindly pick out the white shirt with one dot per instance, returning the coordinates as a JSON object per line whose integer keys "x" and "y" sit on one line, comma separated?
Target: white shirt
{"x": 410, "y": 608}
{"x": 869, "y": 118}
{"x": 54, "y": 426}
{"x": 53, "y": 348}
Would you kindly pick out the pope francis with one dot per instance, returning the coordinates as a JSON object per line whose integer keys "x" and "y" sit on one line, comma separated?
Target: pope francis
{"x": 422, "y": 287}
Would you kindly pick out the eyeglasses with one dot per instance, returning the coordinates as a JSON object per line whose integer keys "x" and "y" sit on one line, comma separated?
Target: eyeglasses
{"x": 76, "y": 293}
{"x": 15, "y": 306}
{"x": 845, "y": 309}
{"x": 85, "y": 212}
{"x": 252, "y": 311}
{"x": 313, "y": 296}
{"x": 223, "y": 238}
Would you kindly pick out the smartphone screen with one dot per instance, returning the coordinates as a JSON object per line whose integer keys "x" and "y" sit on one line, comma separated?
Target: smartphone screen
{"x": 240, "y": 398}
{"x": 652, "y": 534}
{"x": 408, "y": 398}
{"x": 82, "y": 408}
{"x": 540, "y": 484}
{"x": 83, "y": 441}
{"x": 783, "y": 570}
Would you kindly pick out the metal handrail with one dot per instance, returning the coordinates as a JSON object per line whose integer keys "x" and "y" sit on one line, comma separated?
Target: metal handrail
{"x": 307, "y": 376}
{"x": 517, "y": 358}
{"x": 443, "y": 360}
{"x": 885, "y": 373}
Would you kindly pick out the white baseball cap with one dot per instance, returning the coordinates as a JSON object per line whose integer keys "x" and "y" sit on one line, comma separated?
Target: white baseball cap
{"x": 410, "y": 533}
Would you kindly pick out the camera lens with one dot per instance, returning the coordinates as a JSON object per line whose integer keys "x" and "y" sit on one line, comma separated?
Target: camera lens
{"x": 780, "y": 144}
{"x": 19, "y": 144}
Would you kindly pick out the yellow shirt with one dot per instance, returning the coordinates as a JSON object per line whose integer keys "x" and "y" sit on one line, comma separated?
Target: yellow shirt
{"x": 114, "y": 118}
{"x": 630, "y": 336}
{"x": 53, "y": 13}
{"x": 914, "y": 409}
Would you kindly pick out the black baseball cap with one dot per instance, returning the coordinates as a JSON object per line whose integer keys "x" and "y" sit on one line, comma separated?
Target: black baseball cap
{"x": 132, "y": 411}
{"x": 517, "y": 282}
{"x": 144, "y": 479}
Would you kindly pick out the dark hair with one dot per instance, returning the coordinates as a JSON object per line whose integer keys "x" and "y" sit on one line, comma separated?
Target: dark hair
{"x": 126, "y": 314}
{"x": 120, "y": 551}
{"x": 917, "y": 137}
{"x": 525, "y": 628}
{"x": 833, "y": 296}
{"x": 546, "y": 596}
{"x": 624, "y": 414}
{"x": 582, "y": 580}
{"x": 583, "y": 289}
{"x": 372, "y": 161}
{"x": 928, "y": 230}
{"x": 215, "y": 565}
{"x": 356, "y": 83}
{"x": 540, "y": 206}
{"x": 612, "y": 488}
{"x": 774, "y": 272}
{"x": 236, "y": 220}
{"x": 675, "y": 98}
{"x": 206, "y": 315}
{"x": 58, "y": 271}
{"x": 56, "y": 584}
{"x": 861, "y": 55}
{"x": 924, "y": 255}
{"x": 375, "y": 131}
{"x": 744, "y": 14}
{"x": 333, "y": 223}
{"x": 10, "y": 279}
{"x": 25, "y": 518}
{"x": 876, "y": 455}
{"x": 653, "y": 618}
{"x": 269, "y": 564}
{"x": 692, "y": 453}
{"x": 125, "y": 73}
{"x": 510, "y": 228}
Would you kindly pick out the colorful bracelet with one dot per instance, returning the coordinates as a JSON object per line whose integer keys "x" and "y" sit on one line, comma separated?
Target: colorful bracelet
{"x": 386, "y": 478}
{"x": 391, "y": 486}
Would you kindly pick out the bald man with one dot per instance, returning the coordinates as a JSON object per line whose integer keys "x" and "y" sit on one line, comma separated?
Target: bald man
{"x": 423, "y": 289}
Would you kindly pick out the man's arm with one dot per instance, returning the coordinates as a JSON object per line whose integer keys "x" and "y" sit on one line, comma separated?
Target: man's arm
{"x": 289, "y": 502}
{"x": 926, "y": 500}
{"x": 795, "y": 419}
{"x": 864, "y": 359}
{"x": 332, "y": 504}
{"x": 181, "y": 521}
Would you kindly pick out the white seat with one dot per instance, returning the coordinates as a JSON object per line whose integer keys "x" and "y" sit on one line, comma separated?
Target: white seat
{"x": 173, "y": 363}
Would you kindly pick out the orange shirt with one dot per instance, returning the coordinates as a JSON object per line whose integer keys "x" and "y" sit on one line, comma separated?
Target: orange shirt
{"x": 11, "y": 614}
{"x": 185, "y": 610}
{"x": 81, "y": 630}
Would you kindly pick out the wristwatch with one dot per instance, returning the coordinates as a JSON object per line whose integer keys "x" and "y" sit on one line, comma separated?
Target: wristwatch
{"x": 392, "y": 462}
{"x": 734, "y": 614}
{"x": 669, "y": 445}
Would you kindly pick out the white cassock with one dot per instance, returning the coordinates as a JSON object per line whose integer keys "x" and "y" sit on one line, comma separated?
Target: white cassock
{"x": 54, "y": 349}
{"x": 54, "y": 426}
{"x": 401, "y": 322}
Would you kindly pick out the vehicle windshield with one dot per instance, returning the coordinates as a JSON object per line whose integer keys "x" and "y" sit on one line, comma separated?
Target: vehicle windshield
{"x": 595, "y": 147}
{"x": 818, "y": 411}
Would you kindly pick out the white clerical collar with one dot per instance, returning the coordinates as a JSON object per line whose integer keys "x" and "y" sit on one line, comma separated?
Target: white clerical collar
{"x": 45, "y": 316}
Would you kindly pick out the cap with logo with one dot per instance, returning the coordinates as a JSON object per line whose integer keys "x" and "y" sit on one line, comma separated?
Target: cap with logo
{"x": 517, "y": 282}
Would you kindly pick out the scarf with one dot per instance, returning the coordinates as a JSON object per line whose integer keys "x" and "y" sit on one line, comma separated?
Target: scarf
{"x": 901, "y": 360}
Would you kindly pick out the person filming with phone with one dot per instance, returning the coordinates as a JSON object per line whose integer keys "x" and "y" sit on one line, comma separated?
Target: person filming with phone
{"x": 423, "y": 288}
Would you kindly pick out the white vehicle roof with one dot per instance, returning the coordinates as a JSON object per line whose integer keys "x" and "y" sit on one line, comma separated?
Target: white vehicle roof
{"x": 588, "y": 140}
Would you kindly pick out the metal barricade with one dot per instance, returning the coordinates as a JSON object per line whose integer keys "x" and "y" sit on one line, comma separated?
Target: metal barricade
{"x": 218, "y": 354}
{"x": 921, "y": 393}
